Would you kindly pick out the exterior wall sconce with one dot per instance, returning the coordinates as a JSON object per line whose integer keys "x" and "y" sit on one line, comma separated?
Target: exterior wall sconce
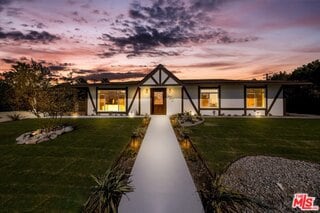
{"x": 170, "y": 91}
{"x": 147, "y": 90}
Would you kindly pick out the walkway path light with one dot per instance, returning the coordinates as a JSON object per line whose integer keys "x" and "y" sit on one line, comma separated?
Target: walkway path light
{"x": 135, "y": 142}
{"x": 186, "y": 144}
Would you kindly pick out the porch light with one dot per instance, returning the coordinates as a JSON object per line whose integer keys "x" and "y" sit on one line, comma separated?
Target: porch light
{"x": 170, "y": 91}
{"x": 146, "y": 90}
{"x": 258, "y": 114}
{"x": 131, "y": 114}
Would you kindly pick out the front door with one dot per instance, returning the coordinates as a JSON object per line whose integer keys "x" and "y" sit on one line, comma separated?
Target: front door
{"x": 158, "y": 101}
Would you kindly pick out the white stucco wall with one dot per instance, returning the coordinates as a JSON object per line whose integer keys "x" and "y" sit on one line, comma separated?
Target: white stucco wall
{"x": 277, "y": 108}
{"x": 173, "y": 100}
{"x": 145, "y": 100}
{"x": 135, "y": 106}
{"x": 193, "y": 92}
{"x": 232, "y": 96}
{"x": 92, "y": 90}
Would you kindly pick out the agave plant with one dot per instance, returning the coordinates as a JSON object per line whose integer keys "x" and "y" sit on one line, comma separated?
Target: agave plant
{"x": 107, "y": 192}
{"x": 224, "y": 200}
{"x": 15, "y": 117}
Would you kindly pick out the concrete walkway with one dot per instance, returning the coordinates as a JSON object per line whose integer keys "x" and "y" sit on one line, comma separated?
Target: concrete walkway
{"x": 160, "y": 175}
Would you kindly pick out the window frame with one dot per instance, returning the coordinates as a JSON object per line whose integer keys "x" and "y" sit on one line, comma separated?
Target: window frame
{"x": 110, "y": 89}
{"x": 219, "y": 98}
{"x": 265, "y": 97}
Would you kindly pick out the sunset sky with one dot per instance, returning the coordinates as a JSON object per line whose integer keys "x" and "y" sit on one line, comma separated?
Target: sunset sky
{"x": 116, "y": 39}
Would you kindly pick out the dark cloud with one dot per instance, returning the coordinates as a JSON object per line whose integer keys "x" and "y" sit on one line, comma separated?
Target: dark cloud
{"x": 59, "y": 66}
{"x": 153, "y": 30}
{"x": 80, "y": 20}
{"x": 96, "y": 12}
{"x": 31, "y": 36}
{"x": 4, "y": 3}
{"x": 207, "y": 4}
{"x": 206, "y": 65}
{"x": 58, "y": 21}
{"x": 14, "y": 12}
{"x": 40, "y": 25}
{"x": 9, "y": 60}
{"x": 100, "y": 74}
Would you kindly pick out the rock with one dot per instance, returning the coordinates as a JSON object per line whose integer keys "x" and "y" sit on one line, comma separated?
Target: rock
{"x": 53, "y": 136}
{"x": 37, "y": 132}
{"x": 23, "y": 136}
{"x": 68, "y": 129}
{"x": 40, "y": 135}
{"x": 31, "y": 141}
{"x": 43, "y": 140}
{"x": 59, "y": 132}
{"x": 272, "y": 180}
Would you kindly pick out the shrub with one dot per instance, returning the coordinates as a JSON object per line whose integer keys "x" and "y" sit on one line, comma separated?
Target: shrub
{"x": 107, "y": 192}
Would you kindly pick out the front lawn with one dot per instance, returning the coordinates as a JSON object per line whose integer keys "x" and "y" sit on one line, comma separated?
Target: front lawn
{"x": 223, "y": 140}
{"x": 55, "y": 175}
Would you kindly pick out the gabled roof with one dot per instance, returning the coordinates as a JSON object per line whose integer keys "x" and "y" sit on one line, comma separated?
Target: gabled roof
{"x": 160, "y": 76}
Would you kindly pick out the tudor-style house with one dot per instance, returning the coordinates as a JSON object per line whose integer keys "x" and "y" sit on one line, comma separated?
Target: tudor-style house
{"x": 162, "y": 93}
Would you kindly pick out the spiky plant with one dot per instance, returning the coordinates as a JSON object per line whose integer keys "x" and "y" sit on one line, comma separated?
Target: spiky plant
{"x": 107, "y": 192}
{"x": 224, "y": 200}
{"x": 15, "y": 117}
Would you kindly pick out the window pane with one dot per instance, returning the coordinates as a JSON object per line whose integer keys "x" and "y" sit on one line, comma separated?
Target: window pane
{"x": 209, "y": 98}
{"x": 256, "y": 98}
{"x": 158, "y": 98}
{"x": 112, "y": 100}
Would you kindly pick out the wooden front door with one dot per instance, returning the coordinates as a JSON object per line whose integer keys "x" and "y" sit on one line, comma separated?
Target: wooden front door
{"x": 158, "y": 101}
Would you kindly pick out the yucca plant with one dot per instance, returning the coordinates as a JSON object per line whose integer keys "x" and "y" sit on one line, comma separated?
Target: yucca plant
{"x": 224, "y": 200}
{"x": 107, "y": 192}
{"x": 15, "y": 117}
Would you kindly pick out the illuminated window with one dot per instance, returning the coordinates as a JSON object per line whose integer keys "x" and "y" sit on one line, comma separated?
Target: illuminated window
{"x": 256, "y": 97}
{"x": 158, "y": 98}
{"x": 111, "y": 100}
{"x": 209, "y": 98}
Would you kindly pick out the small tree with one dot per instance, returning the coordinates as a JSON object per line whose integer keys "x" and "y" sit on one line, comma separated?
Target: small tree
{"x": 28, "y": 83}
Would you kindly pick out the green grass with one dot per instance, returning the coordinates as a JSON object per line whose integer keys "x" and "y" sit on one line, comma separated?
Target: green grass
{"x": 224, "y": 140}
{"x": 55, "y": 175}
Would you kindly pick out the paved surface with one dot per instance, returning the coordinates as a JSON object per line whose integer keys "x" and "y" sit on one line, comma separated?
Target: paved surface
{"x": 160, "y": 175}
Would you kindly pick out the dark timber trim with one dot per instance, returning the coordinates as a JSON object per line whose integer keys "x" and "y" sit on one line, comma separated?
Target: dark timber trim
{"x": 115, "y": 88}
{"x": 155, "y": 81}
{"x": 190, "y": 99}
{"x": 91, "y": 99}
{"x": 160, "y": 68}
{"x": 182, "y": 101}
{"x": 165, "y": 80}
{"x": 133, "y": 99}
{"x": 274, "y": 100}
{"x": 245, "y": 99}
{"x": 139, "y": 96}
{"x": 265, "y": 87}
{"x": 219, "y": 93}
{"x": 219, "y": 98}
{"x": 266, "y": 91}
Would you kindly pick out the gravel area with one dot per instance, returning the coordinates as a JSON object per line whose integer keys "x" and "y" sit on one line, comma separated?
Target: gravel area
{"x": 273, "y": 180}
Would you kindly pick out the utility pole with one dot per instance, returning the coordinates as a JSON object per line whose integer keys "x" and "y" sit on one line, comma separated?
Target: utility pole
{"x": 267, "y": 75}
